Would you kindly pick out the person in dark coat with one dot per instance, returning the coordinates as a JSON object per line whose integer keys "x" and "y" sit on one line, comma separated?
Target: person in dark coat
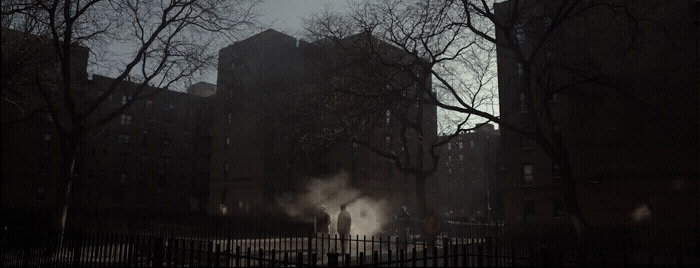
{"x": 323, "y": 220}
{"x": 344, "y": 222}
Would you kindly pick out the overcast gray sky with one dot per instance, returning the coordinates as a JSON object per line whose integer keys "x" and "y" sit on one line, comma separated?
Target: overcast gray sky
{"x": 286, "y": 16}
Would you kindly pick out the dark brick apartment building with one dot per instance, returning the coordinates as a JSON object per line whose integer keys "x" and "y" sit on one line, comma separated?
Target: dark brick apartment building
{"x": 631, "y": 133}
{"x": 469, "y": 183}
{"x": 266, "y": 131}
{"x": 151, "y": 162}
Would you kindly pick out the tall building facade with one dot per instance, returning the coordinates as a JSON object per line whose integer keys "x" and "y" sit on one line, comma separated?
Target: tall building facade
{"x": 149, "y": 163}
{"x": 273, "y": 111}
{"x": 623, "y": 96}
{"x": 468, "y": 184}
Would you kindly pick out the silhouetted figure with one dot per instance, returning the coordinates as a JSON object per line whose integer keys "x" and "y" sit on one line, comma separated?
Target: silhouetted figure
{"x": 404, "y": 220}
{"x": 431, "y": 229}
{"x": 344, "y": 222}
{"x": 322, "y": 221}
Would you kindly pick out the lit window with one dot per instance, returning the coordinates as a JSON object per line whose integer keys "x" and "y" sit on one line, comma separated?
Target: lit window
{"x": 461, "y": 145}
{"x": 449, "y": 158}
{"x": 547, "y": 22}
{"x": 126, "y": 119}
{"x": 461, "y": 157}
{"x": 528, "y": 173}
{"x": 519, "y": 33}
{"x": 229, "y": 118}
{"x": 388, "y": 117}
{"x": 471, "y": 144}
{"x": 124, "y": 99}
{"x": 123, "y": 138}
{"x": 449, "y": 171}
{"x": 228, "y": 140}
{"x": 521, "y": 71}
{"x": 449, "y": 146}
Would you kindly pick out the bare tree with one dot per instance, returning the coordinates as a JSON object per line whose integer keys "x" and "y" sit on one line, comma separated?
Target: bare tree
{"x": 454, "y": 41}
{"x": 386, "y": 85}
{"x": 166, "y": 42}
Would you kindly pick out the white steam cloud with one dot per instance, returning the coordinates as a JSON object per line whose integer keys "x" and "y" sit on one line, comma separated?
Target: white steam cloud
{"x": 368, "y": 214}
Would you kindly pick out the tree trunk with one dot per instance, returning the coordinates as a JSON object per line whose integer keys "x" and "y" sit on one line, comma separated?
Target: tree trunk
{"x": 421, "y": 199}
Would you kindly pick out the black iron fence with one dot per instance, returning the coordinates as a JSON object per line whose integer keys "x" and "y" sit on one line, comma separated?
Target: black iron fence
{"x": 99, "y": 249}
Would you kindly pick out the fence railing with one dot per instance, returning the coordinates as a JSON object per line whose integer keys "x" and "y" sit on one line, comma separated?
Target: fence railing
{"x": 98, "y": 249}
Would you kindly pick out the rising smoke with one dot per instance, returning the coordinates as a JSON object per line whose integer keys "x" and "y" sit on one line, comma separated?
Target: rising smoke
{"x": 368, "y": 214}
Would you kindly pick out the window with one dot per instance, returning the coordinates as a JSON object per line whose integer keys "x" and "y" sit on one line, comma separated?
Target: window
{"x": 559, "y": 209}
{"x": 165, "y": 141}
{"x": 554, "y": 97}
{"x": 529, "y": 212}
{"x": 49, "y": 118}
{"x": 163, "y": 162}
{"x": 547, "y": 22}
{"x": 526, "y": 143}
{"x": 122, "y": 177}
{"x": 471, "y": 144}
{"x": 528, "y": 173}
{"x": 171, "y": 106}
{"x": 144, "y": 158}
{"x": 229, "y": 118}
{"x": 126, "y": 119}
{"x": 556, "y": 173}
{"x": 521, "y": 71}
{"x": 523, "y": 107}
{"x": 461, "y": 157}
{"x": 123, "y": 138}
{"x": 47, "y": 136}
{"x": 185, "y": 145}
{"x": 40, "y": 193}
{"x": 354, "y": 145}
{"x": 519, "y": 33}
{"x": 449, "y": 171}
{"x": 149, "y": 104}
{"x": 388, "y": 117}
{"x": 461, "y": 145}
{"x": 449, "y": 146}
{"x": 388, "y": 141}
{"x": 225, "y": 169}
{"x": 124, "y": 99}
{"x": 449, "y": 158}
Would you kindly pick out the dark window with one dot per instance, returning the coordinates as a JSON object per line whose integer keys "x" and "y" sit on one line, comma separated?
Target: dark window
{"x": 40, "y": 193}
{"x": 528, "y": 173}
{"x": 559, "y": 209}
{"x": 529, "y": 212}
{"x": 556, "y": 172}
{"x": 526, "y": 143}
{"x": 124, "y": 138}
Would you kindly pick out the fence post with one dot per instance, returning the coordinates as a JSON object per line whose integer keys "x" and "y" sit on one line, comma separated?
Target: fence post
{"x": 435, "y": 256}
{"x": 247, "y": 257}
{"x": 261, "y": 255}
{"x": 77, "y": 248}
{"x": 300, "y": 259}
{"x": 446, "y": 254}
{"x": 413, "y": 257}
{"x": 480, "y": 256}
{"x": 544, "y": 256}
{"x": 217, "y": 255}
{"x": 455, "y": 257}
{"x": 272, "y": 257}
{"x": 285, "y": 261}
{"x": 238, "y": 255}
{"x": 333, "y": 259}
{"x": 347, "y": 259}
{"x": 375, "y": 259}
{"x": 158, "y": 252}
{"x": 402, "y": 258}
{"x": 362, "y": 258}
